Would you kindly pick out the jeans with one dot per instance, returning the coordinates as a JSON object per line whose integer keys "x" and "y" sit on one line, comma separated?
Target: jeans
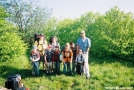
{"x": 57, "y": 66}
{"x": 35, "y": 68}
{"x": 73, "y": 66}
{"x": 67, "y": 68}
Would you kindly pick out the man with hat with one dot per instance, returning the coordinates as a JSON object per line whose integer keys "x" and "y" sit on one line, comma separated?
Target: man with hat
{"x": 41, "y": 44}
{"x": 84, "y": 43}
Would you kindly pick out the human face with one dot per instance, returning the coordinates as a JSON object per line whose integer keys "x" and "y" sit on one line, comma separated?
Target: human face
{"x": 41, "y": 38}
{"x": 34, "y": 50}
{"x": 56, "y": 49}
{"x": 49, "y": 48}
{"x": 67, "y": 47}
{"x": 72, "y": 45}
{"x": 53, "y": 40}
{"x": 80, "y": 51}
{"x": 82, "y": 35}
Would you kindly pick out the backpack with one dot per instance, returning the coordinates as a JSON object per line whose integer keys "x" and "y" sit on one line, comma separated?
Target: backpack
{"x": 13, "y": 82}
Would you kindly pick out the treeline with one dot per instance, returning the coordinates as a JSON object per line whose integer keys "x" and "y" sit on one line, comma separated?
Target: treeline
{"x": 112, "y": 34}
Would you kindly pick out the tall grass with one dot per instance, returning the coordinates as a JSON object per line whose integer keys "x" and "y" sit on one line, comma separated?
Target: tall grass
{"x": 105, "y": 73}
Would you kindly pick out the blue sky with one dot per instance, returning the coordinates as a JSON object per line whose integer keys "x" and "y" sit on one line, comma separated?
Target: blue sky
{"x": 74, "y": 8}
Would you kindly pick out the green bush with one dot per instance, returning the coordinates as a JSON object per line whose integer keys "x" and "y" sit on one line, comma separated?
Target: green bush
{"x": 113, "y": 35}
{"x": 11, "y": 44}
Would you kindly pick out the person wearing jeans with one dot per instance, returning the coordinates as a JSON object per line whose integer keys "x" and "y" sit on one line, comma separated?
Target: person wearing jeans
{"x": 34, "y": 57}
{"x": 67, "y": 59}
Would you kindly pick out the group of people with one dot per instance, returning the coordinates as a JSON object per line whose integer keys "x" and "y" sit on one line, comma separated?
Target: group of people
{"x": 74, "y": 57}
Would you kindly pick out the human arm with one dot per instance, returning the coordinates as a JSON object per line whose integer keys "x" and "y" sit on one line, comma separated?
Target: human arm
{"x": 77, "y": 47}
{"x": 63, "y": 56}
{"x": 71, "y": 56}
{"x": 76, "y": 60}
{"x": 38, "y": 57}
{"x": 45, "y": 60}
{"x": 89, "y": 45}
{"x": 31, "y": 59}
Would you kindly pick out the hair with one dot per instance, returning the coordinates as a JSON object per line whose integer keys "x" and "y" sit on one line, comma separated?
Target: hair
{"x": 71, "y": 43}
{"x": 50, "y": 40}
{"x": 67, "y": 44}
{"x": 56, "y": 46}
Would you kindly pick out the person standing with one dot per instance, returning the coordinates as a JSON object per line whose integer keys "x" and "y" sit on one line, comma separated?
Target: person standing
{"x": 48, "y": 60}
{"x": 56, "y": 60}
{"x": 84, "y": 43}
{"x": 41, "y": 44}
{"x": 67, "y": 59}
{"x": 73, "y": 48}
{"x": 80, "y": 62}
{"x": 34, "y": 57}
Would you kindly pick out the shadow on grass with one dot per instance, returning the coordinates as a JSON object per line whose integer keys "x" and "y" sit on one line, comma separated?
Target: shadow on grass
{"x": 8, "y": 70}
{"x": 5, "y": 71}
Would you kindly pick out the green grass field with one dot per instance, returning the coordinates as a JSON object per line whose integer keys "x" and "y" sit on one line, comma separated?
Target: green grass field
{"x": 105, "y": 73}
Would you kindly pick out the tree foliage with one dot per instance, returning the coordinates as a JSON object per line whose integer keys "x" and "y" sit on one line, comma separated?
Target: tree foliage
{"x": 28, "y": 16}
{"x": 11, "y": 44}
{"x": 113, "y": 34}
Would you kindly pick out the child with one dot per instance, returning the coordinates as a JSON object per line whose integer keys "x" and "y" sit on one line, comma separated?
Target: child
{"x": 80, "y": 62}
{"x": 73, "y": 48}
{"x": 48, "y": 59}
{"x": 34, "y": 57}
{"x": 56, "y": 57}
{"x": 67, "y": 59}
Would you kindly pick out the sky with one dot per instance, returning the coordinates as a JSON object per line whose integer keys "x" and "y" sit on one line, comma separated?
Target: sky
{"x": 75, "y": 8}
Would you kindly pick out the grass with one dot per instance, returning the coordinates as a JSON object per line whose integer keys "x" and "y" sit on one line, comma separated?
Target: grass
{"x": 105, "y": 73}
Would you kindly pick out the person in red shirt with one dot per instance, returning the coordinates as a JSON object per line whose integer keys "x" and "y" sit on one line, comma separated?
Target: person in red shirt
{"x": 56, "y": 57}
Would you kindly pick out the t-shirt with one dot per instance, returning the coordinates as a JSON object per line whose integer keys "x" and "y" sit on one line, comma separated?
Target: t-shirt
{"x": 83, "y": 44}
{"x": 56, "y": 56}
{"x": 53, "y": 46}
{"x": 49, "y": 56}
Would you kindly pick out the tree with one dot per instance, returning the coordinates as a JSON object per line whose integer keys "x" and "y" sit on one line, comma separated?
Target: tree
{"x": 29, "y": 17}
{"x": 11, "y": 44}
{"x": 113, "y": 34}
